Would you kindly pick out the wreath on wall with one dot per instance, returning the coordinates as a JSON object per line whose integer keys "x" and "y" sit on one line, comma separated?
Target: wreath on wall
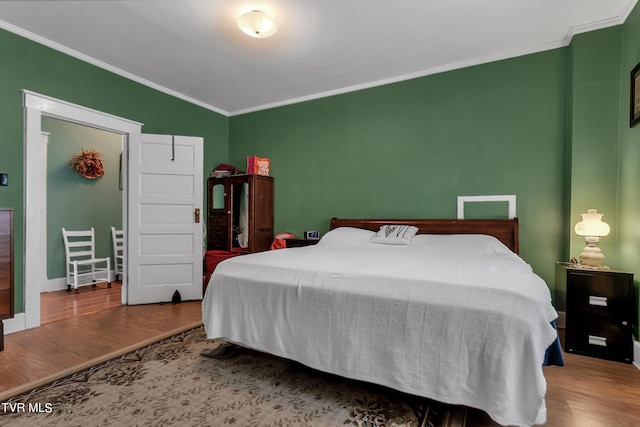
{"x": 88, "y": 163}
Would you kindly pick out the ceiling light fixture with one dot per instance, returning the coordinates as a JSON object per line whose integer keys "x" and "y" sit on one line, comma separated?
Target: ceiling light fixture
{"x": 257, "y": 24}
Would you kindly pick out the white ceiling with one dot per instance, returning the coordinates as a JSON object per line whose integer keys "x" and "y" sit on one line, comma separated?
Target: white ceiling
{"x": 194, "y": 50}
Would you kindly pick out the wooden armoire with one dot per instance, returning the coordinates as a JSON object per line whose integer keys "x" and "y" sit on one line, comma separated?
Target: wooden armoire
{"x": 240, "y": 213}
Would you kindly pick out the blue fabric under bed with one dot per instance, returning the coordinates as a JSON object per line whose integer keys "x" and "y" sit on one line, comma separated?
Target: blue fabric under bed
{"x": 553, "y": 355}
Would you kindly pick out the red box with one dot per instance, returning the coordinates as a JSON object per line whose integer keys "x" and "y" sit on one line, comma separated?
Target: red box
{"x": 258, "y": 165}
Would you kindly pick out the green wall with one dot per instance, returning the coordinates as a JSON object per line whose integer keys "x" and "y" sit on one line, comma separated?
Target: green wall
{"x": 77, "y": 203}
{"x": 629, "y": 159}
{"x": 409, "y": 149}
{"x": 595, "y": 57}
{"x": 592, "y": 143}
{"x": 28, "y": 65}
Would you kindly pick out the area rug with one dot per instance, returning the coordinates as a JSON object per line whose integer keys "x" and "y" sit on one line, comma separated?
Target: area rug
{"x": 170, "y": 383}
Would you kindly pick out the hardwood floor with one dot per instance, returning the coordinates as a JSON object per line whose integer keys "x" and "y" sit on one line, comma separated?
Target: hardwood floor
{"x": 61, "y": 305}
{"x": 586, "y": 392}
{"x": 36, "y": 354}
{"x": 593, "y": 392}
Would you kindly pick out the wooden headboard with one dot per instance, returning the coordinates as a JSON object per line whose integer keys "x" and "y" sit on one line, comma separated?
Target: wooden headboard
{"x": 505, "y": 230}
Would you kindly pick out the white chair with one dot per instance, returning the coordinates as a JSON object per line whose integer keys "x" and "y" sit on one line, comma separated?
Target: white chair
{"x": 82, "y": 265}
{"x": 117, "y": 236}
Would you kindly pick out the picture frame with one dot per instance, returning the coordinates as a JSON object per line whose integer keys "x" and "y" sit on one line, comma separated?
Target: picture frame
{"x": 634, "y": 111}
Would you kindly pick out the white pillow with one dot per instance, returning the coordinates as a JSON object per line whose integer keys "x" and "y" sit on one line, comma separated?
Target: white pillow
{"x": 346, "y": 236}
{"x": 395, "y": 234}
{"x": 461, "y": 245}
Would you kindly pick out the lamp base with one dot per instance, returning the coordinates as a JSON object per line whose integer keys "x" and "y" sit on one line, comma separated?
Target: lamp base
{"x": 592, "y": 255}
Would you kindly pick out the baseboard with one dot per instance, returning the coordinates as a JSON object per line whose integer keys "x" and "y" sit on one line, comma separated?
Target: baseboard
{"x": 16, "y": 324}
{"x": 52, "y": 285}
{"x": 561, "y": 321}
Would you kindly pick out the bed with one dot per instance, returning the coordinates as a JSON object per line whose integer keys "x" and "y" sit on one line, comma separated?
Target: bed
{"x": 455, "y": 315}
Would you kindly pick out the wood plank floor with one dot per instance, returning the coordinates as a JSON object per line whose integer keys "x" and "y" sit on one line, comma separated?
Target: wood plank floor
{"x": 37, "y": 353}
{"x": 61, "y": 305}
{"x": 586, "y": 392}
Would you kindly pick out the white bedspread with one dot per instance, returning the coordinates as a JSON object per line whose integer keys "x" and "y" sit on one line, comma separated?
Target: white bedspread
{"x": 459, "y": 319}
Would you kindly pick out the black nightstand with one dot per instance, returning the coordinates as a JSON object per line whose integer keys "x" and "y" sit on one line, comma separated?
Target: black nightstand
{"x": 299, "y": 242}
{"x": 601, "y": 313}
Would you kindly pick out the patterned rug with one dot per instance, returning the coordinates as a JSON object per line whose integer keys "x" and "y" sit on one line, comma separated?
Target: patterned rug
{"x": 170, "y": 383}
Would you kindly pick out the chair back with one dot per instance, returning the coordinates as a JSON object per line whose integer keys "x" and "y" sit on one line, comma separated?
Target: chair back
{"x": 118, "y": 241}
{"x": 117, "y": 236}
{"x": 79, "y": 245}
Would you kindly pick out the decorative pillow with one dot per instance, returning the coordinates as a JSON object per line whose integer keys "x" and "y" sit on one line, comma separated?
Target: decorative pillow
{"x": 395, "y": 234}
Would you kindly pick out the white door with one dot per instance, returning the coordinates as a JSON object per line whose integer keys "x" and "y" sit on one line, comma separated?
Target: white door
{"x": 164, "y": 224}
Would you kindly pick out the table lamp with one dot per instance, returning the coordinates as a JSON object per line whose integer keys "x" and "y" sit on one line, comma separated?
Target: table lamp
{"x": 592, "y": 228}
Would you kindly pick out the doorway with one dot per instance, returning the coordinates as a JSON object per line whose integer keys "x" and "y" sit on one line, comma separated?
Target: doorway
{"x": 37, "y": 106}
{"x": 171, "y": 216}
{"x": 77, "y": 203}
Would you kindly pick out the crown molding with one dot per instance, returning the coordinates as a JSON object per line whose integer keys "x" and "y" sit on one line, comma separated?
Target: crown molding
{"x": 615, "y": 20}
{"x": 93, "y": 61}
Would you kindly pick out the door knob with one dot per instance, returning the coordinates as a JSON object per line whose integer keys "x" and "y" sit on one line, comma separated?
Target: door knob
{"x": 197, "y": 215}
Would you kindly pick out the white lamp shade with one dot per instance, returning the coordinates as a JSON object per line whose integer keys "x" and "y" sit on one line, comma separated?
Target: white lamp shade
{"x": 592, "y": 225}
{"x": 257, "y": 24}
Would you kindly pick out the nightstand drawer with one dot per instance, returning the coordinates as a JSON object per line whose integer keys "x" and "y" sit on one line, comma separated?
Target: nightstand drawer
{"x": 599, "y": 294}
{"x": 593, "y": 336}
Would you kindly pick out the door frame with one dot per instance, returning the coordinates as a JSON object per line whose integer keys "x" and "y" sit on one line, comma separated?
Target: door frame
{"x": 35, "y": 107}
